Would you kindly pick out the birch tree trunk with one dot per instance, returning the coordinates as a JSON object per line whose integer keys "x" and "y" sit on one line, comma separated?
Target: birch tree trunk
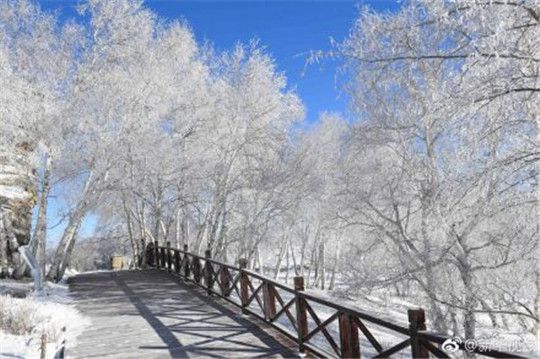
{"x": 221, "y": 249}
{"x": 179, "y": 232}
{"x": 186, "y": 238}
{"x": 56, "y": 271}
{"x": 302, "y": 253}
{"x": 63, "y": 251}
{"x": 67, "y": 256}
{"x": 287, "y": 262}
{"x": 280, "y": 258}
{"x": 39, "y": 241}
{"x": 310, "y": 265}
{"x": 142, "y": 232}
{"x": 322, "y": 264}
{"x": 137, "y": 252}
{"x": 293, "y": 257}
{"x": 334, "y": 268}
{"x": 260, "y": 260}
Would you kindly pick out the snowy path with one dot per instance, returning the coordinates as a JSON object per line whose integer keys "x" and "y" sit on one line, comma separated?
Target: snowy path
{"x": 151, "y": 314}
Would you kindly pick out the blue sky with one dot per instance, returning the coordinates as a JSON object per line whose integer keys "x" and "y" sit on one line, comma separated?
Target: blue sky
{"x": 288, "y": 29}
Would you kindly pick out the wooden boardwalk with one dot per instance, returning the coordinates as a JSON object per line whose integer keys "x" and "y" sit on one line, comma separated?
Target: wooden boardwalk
{"x": 152, "y": 314}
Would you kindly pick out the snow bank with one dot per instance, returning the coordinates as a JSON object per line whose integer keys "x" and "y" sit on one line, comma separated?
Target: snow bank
{"x": 23, "y": 322}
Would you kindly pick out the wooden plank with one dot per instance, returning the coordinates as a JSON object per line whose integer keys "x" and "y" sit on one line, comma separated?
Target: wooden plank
{"x": 396, "y": 348}
{"x": 322, "y": 327}
{"x": 378, "y": 347}
{"x": 285, "y": 308}
{"x": 152, "y": 314}
{"x": 329, "y": 320}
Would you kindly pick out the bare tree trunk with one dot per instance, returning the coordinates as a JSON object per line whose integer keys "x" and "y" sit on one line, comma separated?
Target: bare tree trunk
{"x": 469, "y": 300}
{"x": 56, "y": 271}
{"x": 261, "y": 260}
{"x": 142, "y": 233}
{"x": 302, "y": 253}
{"x": 179, "y": 233}
{"x": 334, "y": 268}
{"x": 201, "y": 238}
{"x": 280, "y": 258}
{"x": 315, "y": 263}
{"x": 137, "y": 253}
{"x": 157, "y": 218}
{"x": 164, "y": 230}
{"x": 67, "y": 257}
{"x": 40, "y": 235}
{"x": 213, "y": 228}
{"x": 186, "y": 238}
{"x": 65, "y": 246}
{"x": 322, "y": 264}
{"x": 489, "y": 311}
{"x": 293, "y": 257}
{"x": 287, "y": 262}
{"x": 221, "y": 249}
{"x": 313, "y": 253}
{"x": 469, "y": 320}
{"x": 438, "y": 317}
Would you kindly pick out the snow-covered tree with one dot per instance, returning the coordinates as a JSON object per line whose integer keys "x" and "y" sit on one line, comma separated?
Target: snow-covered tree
{"x": 36, "y": 63}
{"x": 443, "y": 159}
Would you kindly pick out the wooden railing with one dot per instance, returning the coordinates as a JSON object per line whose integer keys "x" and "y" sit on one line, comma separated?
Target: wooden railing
{"x": 293, "y": 312}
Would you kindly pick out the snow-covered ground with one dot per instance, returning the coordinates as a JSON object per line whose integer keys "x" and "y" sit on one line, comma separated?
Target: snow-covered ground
{"x": 23, "y": 321}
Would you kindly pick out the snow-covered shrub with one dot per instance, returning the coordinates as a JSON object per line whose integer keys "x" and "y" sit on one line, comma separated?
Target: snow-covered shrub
{"x": 31, "y": 317}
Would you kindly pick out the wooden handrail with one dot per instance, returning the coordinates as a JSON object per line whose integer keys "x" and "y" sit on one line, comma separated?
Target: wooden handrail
{"x": 235, "y": 284}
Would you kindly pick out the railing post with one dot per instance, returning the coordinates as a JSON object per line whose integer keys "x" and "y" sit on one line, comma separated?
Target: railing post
{"x": 156, "y": 253}
{"x": 269, "y": 301}
{"x": 186, "y": 262}
{"x": 163, "y": 258}
{"x": 225, "y": 281}
{"x": 244, "y": 284}
{"x": 196, "y": 267}
{"x": 169, "y": 263}
{"x": 348, "y": 334}
{"x": 417, "y": 322}
{"x": 208, "y": 271}
{"x": 301, "y": 312}
{"x": 177, "y": 261}
{"x": 149, "y": 255}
